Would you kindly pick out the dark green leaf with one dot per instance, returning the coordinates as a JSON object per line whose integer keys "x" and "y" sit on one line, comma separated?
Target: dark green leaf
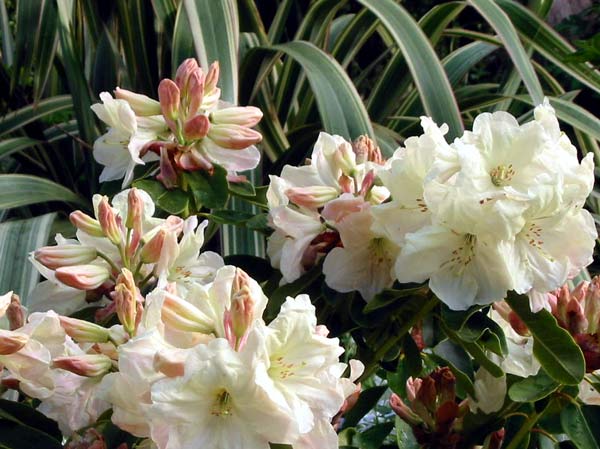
{"x": 373, "y": 437}
{"x": 532, "y": 388}
{"x": 15, "y": 436}
{"x": 577, "y": 428}
{"x": 208, "y": 190}
{"x": 26, "y": 415}
{"x": 366, "y": 401}
{"x": 28, "y": 114}
{"x": 22, "y": 190}
{"x": 459, "y": 362}
{"x": 405, "y": 436}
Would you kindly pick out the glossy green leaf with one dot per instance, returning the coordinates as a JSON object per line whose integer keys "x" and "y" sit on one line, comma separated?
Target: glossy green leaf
{"x": 499, "y": 21}
{"x": 21, "y": 117}
{"x": 15, "y": 436}
{"x": 183, "y": 45}
{"x": 405, "y": 438}
{"x": 366, "y": 401}
{"x": 340, "y": 106}
{"x": 23, "y": 190}
{"x": 425, "y": 67}
{"x": 532, "y": 388}
{"x": 577, "y": 428}
{"x": 554, "y": 348}
{"x": 208, "y": 190}
{"x": 214, "y": 29}
{"x": 373, "y": 437}
{"x": 26, "y": 415}
{"x": 17, "y": 239}
{"x": 7, "y": 37}
{"x": 457, "y": 359}
{"x": 460, "y": 61}
{"x": 15, "y": 144}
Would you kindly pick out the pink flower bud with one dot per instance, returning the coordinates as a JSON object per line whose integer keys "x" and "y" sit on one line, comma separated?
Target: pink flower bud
{"x": 367, "y": 150}
{"x": 367, "y": 183}
{"x": 312, "y": 197}
{"x": 83, "y": 277}
{"x": 88, "y": 365}
{"x": 592, "y": 305}
{"x": 54, "y": 257}
{"x": 108, "y": 222}
{"x": 15, "y": 313}
{"x": 195, "y": 92}
{"x": 11, "y": 342}
{"x": 83, "y": 331}
{"x": 345, "y": 158}
{"x": 239, "y": 318}
{"x": 183, "y": 316}
{"x": 196, "y": 128}
{"x": 142, "y": 105}
{"x": 184, "y": 71}
{"x": 127, "y": 299}
{"x": 135, "y": 210}
{"x": 237, "y": 115}
{"x": 405, "y": 413}
{"x": 169, "y": 96}
{"x": 85, "y": 223}
{"x": 152, "y": 249}
{"x": 234, "y": 137}
{"x": 193, "y": 160}
{"x": 212, "y": 77}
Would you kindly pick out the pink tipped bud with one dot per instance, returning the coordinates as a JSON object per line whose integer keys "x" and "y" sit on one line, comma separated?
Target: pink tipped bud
{"x": 184, "y": 71}
{"x": 196, "y": 128}
{"x": 233, "y": 137}
{"x": 242, "y": 304}
{"x": 345, "y": 158}
{"x": 127, "y": 300}
{"x": 168, "y": 173}
{"x": 183, "y": 316}
{"x": 367, "y": 150}
{"x": 54, "y": 257}
{"x": 141, "y": 104}
{"x": 108, "y": 222}
{"x": 592, "y": 305}
{"x": 85, "y": 223}
{"x": 83, "y": 331}
{"x": 88, "y": 365}
{"x": 367, "y": 183}
{"x": 346, "y": 183}
{"x": 311, "y": 197}
{"x": 405, "y": 413}
{"x": 83, "y": 277}
{"x": 152, "y": 249}
{"x": 494, "y": 439}
{"x": 168, "y": 94}
{"x": 15, "y": 313}
{"x": 11, "y": 342}
{"x": 193, "y": 160}
{"x": 195, "y": 92}
{"x": 135, "y": 210}
{"x": 212, "y": 77}
{"x": 168, "y": 364}
{"x": 238, "y": 115}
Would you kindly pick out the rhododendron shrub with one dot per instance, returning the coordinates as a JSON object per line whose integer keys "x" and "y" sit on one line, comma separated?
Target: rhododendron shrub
{"x": 452, "y": 272}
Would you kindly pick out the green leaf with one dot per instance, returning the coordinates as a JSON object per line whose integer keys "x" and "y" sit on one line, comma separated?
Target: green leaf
{"x": 18, "y": 119}
{"x": 242, "y": 188}
{"x": 390, "y": 296}
{"x": 23, "y": 190}
{"x": 554, "y": 348}
{"x": 208, "y": 190}
{"x": 15, "y": 436}
{"x": 183, "y": 44}
{"x": 15, "y": 144}
{"x": 17, "y": 239}
{"x": 577, "y": 428}
{"x": 174, "y": 202}
{"x": 215, "y": 33}
{"x": 277, "y": 298}
{"x": 28, "y": 416}
{"x": 373, "y": 437}
{"x": 459, "y": 362}
{"x": 460, "y": 61}
{"x": 532, "y": 388}
{"x": 500, "y": 22}
{"x": 340, "y": 106}
{"x": 425, "y": 67}
{"x": 7, "y": 38}
{"x": 549, "y": 43}
{"x": 227, "y": 216}
{"x": 405, "y": 438}
{"x": 366, "y": 401}
{"x": 257, "y": 267}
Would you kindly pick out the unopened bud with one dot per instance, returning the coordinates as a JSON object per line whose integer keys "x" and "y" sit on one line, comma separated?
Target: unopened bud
{"x": 168, "y": 94}
{"x": 401, "y": 409}
{"x": 312, "y": 197}
{"x": 345, "y": 158}
{"x": 234, "y": 137}
{"x": 152, "y": 249}
{"x": 242, "y": 304}
{"x": 83, "y": 331}
{"x": 54, "y": 257}
{"x": 15, "y": 313}
{"x": 125, "y": 297}
{"x": 85, "y": 223}
{"x": 183, "y": 316}
{"x": 196, "y": 128}
{"x": 142, "y": 105}
{"x": 83, "y": 277}
{"x": 366, "y": 150}
{"x": 135, "y": 210}
{"x": 193, "y": 160}
{"x": 592, "y": 305}
{"x": 88, "y": 365}
{"x": 212, "y": 77}
{"x": 367, "y": 183}
{"x": 11, "y": 342}
{"x": 108, "y": 222}
{"x": 494, "y": 440}
{"x": 184, "y": 71}
{"x": 195, "y": 92}
{"x": 247, "y": 116}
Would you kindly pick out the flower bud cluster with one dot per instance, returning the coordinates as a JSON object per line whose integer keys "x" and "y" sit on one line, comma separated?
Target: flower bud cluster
{"x": 188, "y": 129}
{"x": 322, "y": 210}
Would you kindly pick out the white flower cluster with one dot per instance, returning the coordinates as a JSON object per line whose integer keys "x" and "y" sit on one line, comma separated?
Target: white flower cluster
{"x": 192, "y": 363}
{"x": 498, "y": 209}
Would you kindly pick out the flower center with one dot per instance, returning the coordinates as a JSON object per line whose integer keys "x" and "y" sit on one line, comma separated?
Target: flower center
{"x": 502, "y": 174}
{"x": 462, "y": 256}
{"x": 280, "y": 369}
{"x": 222, "y": 405}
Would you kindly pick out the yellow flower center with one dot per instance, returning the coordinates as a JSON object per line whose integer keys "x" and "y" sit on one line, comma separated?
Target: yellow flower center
{"x": 502, "y": 174}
